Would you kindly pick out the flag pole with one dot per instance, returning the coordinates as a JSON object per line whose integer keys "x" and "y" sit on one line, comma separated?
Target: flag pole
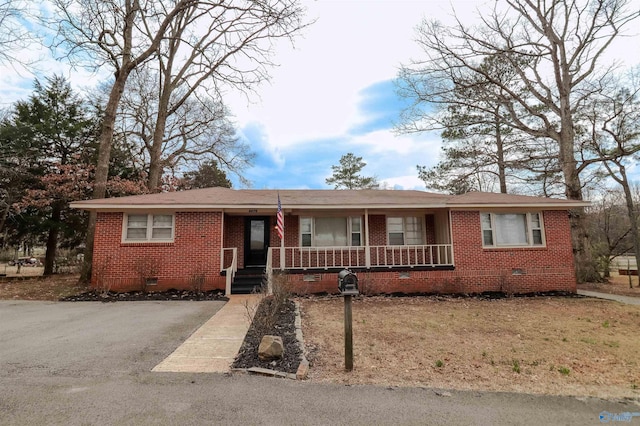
{"x": 282, "y": 254}
{"x": 280, "y": 221}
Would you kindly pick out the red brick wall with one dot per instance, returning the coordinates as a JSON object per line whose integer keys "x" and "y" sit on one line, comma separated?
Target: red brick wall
{"x": 194, "y": 252}
{"x": 234, "y": 235}
{"x": 478, "y": 269}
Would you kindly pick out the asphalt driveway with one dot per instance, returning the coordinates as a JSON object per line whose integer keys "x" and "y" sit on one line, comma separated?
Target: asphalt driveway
{"x": 93, "y": 339}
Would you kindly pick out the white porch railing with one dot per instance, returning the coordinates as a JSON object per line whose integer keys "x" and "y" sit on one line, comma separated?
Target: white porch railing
{"x": 232, "y": 268}
{"x": 360, "y": 257}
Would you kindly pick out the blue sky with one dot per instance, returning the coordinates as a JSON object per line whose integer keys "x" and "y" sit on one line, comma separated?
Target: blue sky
{"x": 306, "y": 162}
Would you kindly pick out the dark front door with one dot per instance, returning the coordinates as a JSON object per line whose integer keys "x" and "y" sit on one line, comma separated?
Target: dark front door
{"x": 256, "y": 241}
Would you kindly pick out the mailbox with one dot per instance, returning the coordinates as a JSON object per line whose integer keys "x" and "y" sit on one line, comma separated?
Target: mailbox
{"x": 348, "y": 283}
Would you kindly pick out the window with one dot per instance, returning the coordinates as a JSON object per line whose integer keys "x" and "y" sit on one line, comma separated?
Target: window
{"x": 330, "y": 231}
{"x": 148, "y": 227}
{"x": 404, "y": 231}
{"x": 511, "y": 229}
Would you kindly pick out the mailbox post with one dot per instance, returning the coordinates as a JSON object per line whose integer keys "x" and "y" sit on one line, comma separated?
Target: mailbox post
{"x": 348, "y": 286}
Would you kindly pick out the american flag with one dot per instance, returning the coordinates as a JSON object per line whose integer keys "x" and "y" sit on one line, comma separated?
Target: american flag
{"x": 280, "y": 220}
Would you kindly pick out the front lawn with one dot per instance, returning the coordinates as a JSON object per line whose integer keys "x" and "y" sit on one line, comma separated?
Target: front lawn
{"x": 562, "y": 346}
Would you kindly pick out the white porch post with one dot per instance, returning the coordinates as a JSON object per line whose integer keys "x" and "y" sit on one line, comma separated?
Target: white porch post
{"x": 367, "y": 251}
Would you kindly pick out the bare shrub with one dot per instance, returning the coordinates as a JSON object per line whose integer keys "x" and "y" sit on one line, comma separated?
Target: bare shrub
{"x": 505, "y": 286}
{"x": 146, "y": 268}
{"x": 264, "y": 314}
{"x": 103, "y": 285}
{"x": 196, "y": 281}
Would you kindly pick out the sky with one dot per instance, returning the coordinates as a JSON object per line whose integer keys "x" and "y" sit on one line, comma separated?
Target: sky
{"x": 332, "y": 93}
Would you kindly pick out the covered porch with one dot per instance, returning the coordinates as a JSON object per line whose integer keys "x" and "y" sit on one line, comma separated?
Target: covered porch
{"x": 317, "y": 241}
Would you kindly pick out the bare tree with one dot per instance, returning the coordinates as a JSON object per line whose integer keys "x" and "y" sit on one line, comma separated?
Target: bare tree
{"x": 555, "y": 49}
{"x": 615, "y": 134}
{"x": 208, "y": 47}
{"x": 14, "y": 34}
{"x": 609, "y": 227}
{"x": 121, "y": 34}
{"x": 199, "y": 129}
{"x": 124, "y": 34}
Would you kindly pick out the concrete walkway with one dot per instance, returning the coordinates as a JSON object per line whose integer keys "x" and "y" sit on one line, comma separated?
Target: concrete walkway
{"x": 622, "y": 299}
{"x": 213, "y": 347}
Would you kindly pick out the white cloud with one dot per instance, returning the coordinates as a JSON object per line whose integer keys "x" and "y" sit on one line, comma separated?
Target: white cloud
{"x": 315, "y": 92}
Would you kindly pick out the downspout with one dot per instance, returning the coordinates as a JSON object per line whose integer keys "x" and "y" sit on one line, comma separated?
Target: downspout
{"x": 222, "y": 240}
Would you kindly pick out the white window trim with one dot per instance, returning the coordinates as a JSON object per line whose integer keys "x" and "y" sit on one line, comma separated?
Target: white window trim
{"x": 148, "y": 239}
{"x": 423, "y": 229}
{"x": 350, "y": 231}
{"x": 529, "y": 230}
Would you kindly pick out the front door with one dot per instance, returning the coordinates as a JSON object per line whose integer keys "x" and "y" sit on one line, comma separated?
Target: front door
{"x": 256, "y": 232}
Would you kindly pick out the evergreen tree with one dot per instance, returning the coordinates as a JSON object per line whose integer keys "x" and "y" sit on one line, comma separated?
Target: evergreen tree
{"x": 345, "y": 176}
{"x": 208, "y": 175}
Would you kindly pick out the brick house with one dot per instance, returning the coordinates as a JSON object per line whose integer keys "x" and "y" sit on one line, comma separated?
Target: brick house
{"x": 396, "y": 241}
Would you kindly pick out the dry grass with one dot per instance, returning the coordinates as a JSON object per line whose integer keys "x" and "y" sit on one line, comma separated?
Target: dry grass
{"x": 25, "y": 271}
{"x": 38, "y": 288}
{"x": 562, "y": 346}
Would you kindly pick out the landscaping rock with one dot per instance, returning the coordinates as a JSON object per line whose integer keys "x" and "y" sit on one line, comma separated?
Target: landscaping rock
{"x": 171, "y": 294}
{"x": 271, "y": 347}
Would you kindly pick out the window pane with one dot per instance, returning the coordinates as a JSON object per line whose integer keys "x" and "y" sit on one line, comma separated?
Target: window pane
{"x": 394, "y": 224}
{"x": 162, "y": 221}
{"x": 137, "y": 221}
{"x": 305, "y": 225}
{"x": 537, "y": 237}
{"x": 161, "y": 233}
{"x": 486, "y": 220}
{"x": 137, "y": 227}
{"x": 396, "y": 238}
{"x": 511, "y": 229}
{"x": 355, "y": 239}
{"x": 535, "y": 221}
{"x": 355, "y": 224}
{"x": 413, "y": 230}
{"x": 136, "y": 233}
{"x": 487, "y": 237}
{"x": 331, "y": 231}
{"x": 306, "y": 240}
{"x": 256, "y": 236}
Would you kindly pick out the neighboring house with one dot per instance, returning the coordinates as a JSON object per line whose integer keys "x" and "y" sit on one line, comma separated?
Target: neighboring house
{"x": 396, "y": 241}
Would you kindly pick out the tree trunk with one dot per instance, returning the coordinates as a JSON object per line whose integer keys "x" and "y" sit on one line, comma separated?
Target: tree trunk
{"x": 633, "y": 217}
{"x": 585, "y": 264}
{"x": 52, "y": 241}
{"x": 155, "y": 154}
{"x": 102, "y": 168}
{"x": 500, "y": 154}
{"x": 3, "y": 216}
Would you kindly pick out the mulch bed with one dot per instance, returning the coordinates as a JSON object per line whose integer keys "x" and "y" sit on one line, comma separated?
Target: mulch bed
{"x": 284, "y": 327}
{"x": 97, "y": 296}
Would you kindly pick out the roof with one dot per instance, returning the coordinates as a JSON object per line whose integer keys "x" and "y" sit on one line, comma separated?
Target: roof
{"x": 226, "y": 198}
